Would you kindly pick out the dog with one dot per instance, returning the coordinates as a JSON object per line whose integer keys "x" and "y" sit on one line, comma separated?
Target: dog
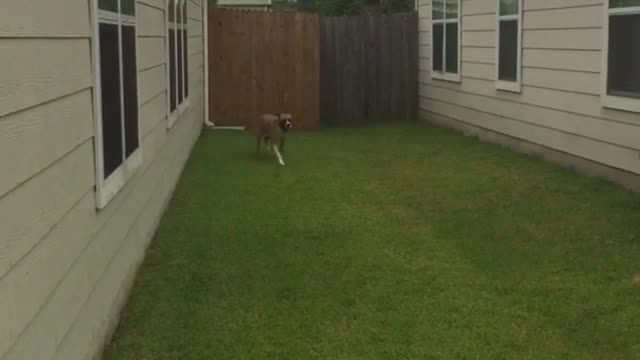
{"x": 272, "y": 130}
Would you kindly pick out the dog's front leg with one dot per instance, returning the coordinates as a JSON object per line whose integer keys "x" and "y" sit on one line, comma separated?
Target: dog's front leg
{"x": 275, "y": 149}
{"x": 282, "y": 144}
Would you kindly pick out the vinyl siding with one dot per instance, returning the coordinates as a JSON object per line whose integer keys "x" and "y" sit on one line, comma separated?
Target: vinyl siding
{"x": 65, "y": 267}
{"x": 559, "y": 106}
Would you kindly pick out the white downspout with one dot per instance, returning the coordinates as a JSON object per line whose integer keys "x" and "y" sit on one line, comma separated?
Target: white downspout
{"x": 205, "y": 24}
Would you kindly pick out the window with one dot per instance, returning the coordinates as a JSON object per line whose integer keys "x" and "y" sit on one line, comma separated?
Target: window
{"x": 178, "y": 58}
{"x": 446, "y": 39}
{"x": 621, "y": 64}
{"x": 116, "y": 96}
{"x": 509, "y": 49}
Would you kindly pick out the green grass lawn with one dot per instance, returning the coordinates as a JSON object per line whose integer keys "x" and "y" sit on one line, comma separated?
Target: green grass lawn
{"x": 386, "y": 242}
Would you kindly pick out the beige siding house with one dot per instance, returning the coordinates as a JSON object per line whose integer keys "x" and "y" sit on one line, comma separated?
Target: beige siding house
{"x": 85, "y": 179}
{"x": 559, "y": 78}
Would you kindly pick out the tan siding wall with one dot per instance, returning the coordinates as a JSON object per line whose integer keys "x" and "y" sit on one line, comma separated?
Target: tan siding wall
{"x": 559, "y": 107}
{"x": 65, "y": 268}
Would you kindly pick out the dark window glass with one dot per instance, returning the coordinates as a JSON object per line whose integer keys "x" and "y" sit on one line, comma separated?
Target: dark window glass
{"x": 130, "y": 88}
{"x": 172, "y": 70}
{"x": 110, "y": 92}
{"x": 128, "y": 7}
{"x": 508, "y": 62}
{"x": 186, "y": 64}
{"x": 184, "y": 12}
{"x": 623, "y": 3}
{"x": 179, "y": 13}
{"x": 172, "y": 11}
{"x": 108, "y": 5}
{"x": 438, "y": 33}
{"x": 180, "y": 66}
{"x": 624, "y": 56}
{"x": 452, "y": 48}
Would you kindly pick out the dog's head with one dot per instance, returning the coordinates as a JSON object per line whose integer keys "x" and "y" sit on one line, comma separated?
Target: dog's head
{"x": 284, "y": 121}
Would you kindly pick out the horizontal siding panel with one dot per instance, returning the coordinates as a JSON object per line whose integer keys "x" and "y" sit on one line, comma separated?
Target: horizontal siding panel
{"x": 152, "y": 52}
{"x": 26, "y": 216}
{"x": 424, "y": 65}
{"x": 479, "y": 38}
{"x": 69, "y": 296}
{"x": 424, "y": 11}
{"x": 31, "y": 210}
{"x": 42, "y": 70}
{"x": 194, "y": 11}
{"x": 37, "y": 18}
{"x": 615, "y": 133}
{"x": 424, "y": 2}
{"x": 196, "y": 61}
{"x": 473, "y": 7}
{"x": 424, "y": 38}
{"x": 568, "y": 39}
{"x": 195, "y": 29}
{"x": 152, "y": 112}
{"x": 601, "y": 152}
{"x": 557, "y": 4}
{"x": 152, "y": 82}
{"x": 41, "y": 135}
{"x": 481, "y": 71}
{"x": 479, "y": 22}
{"x": 118, "y": 248}
{"x": 482, "y": 55}
{"x": 424, "y": 51}
{"x": 424, "y": 25}
{"x": 151, "y": 21}
{"x": 569, "y": 18}
{"x": 582, "y": 82}
{"x": 32, "y": 281}
{"x": 155, "y": 3}
{"x": 579, "y": 103}
{"x": 195, "y": 45}
{"x": 563, "y": 59}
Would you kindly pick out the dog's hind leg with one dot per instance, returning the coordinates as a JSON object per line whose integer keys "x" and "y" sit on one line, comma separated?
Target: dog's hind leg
{"x": 275, "y": 149}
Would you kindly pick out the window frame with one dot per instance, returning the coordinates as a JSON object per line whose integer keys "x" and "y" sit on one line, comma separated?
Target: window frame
{"x": 107, "y": 188}
{"x": 614, "y": 101}
{"x": 512, "y": 86}
{"x": 444, "y": 75}
{"x": 174, "y": 115}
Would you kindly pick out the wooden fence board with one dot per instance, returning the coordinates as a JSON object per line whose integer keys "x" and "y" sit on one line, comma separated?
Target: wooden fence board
{"x": 369, "y": 68}
{"x": 263, "y": 62}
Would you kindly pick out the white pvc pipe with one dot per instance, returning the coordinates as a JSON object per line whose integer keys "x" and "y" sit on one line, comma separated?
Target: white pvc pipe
{"x": 205, "y": 24}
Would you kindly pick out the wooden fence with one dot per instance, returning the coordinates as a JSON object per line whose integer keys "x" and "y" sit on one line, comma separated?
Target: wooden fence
{"x": 369, "y": 68}
{"x": 338, "y": 69}
{"x": 264, "y": 62}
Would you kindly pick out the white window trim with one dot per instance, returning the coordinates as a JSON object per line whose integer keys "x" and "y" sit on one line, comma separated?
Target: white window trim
{"x": 174, "y": 115}
{"x": 445, "y": 75}
{"x": 106, "y": 189}
{"x": 513, "y": 86}
{"x": 613, "y": 101}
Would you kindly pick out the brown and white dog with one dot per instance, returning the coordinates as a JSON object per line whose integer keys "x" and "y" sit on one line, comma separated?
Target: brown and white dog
{"x": 272, "y": 130}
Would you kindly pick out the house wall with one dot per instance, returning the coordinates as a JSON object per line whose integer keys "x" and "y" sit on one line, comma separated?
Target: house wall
{"x": 65, "y": 267}
{"x": 559, "y": 109}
